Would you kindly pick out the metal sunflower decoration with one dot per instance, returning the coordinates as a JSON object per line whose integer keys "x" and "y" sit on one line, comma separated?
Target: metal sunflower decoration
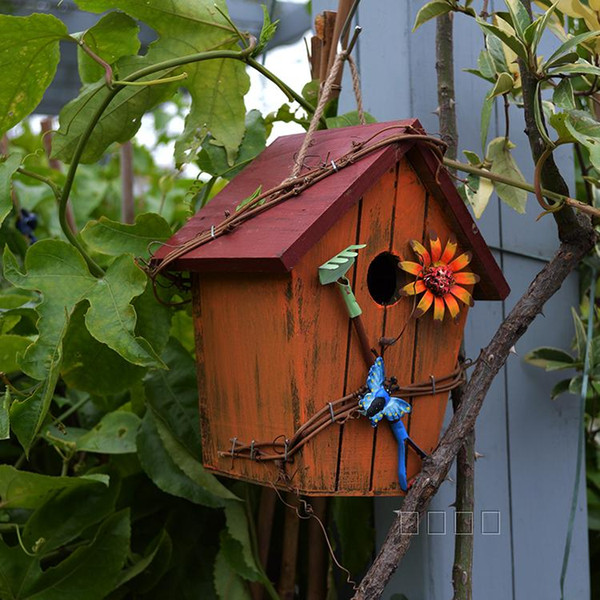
{"x": 439, "y": 277}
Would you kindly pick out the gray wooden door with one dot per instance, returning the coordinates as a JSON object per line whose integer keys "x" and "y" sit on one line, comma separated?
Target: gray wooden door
{"x": 525, "y": 475}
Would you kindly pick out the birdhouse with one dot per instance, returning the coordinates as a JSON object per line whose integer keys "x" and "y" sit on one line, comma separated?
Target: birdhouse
{"x": 283, "y": 360}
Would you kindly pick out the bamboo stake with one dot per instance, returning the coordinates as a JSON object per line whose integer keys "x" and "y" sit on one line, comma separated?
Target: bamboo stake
{"x": 266, "y": 511}
{"x": 317, "y": 553}
{"x": 289, "y": 554}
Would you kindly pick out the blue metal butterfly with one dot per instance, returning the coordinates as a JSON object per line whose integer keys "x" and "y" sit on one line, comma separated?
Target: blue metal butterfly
{"x": 377, "y": 403}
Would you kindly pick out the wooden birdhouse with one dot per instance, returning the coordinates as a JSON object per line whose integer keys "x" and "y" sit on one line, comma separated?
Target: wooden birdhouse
{"x": 281, "y": 368}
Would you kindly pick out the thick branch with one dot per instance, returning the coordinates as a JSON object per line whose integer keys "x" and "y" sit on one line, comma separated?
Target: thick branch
{"x": 566, "y": 220}
{"x": 491, "y": 360}
{"x": 444, "y": 66}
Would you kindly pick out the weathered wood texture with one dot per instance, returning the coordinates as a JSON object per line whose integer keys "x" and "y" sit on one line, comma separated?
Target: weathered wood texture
{"x": 527, "y": 441}
{"x": 274, "y": 349}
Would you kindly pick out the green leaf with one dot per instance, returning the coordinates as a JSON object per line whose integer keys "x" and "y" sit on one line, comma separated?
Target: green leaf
{"x": 550, "y": 359}
{"x": 218, "y": 86}
{"x": 510, "y": 40}
{"x": 504, "y": 85}
{"x": 10, "y": 347}
{"x": 348, "y": 120}
{"x": 17, "y": 571}
{"x": 29, "y": 55}
{"x": 23, "y": 489}
{"x": 541, "y": 27}
{"x": 173, "y": 395}
{"x": 91, "y": 571}
{"x": 58, "y": 271}
{"x": 7, "y": 169}
{"x": 478, "y": 191}
{"x": 496, "y": 50}
{"x": 114, "y": 434}
{"x": 519, "y": 16}
{"x": 472, "y": 157}
{"x": 91, "y": 366}
{"x": 586, "y": 130}
{"x": 568, "y": 46}
{"x": 485, "y": 62}
{"x": 563, "y": 95}
{"x": 5, "y": 402}
{"x": 166, "y": 472}
{"x": 115, "y": 35}
{"x": 498, "y": 154}
{"x": 67, "y": 513}
{"x": 119, "y": 122}
{"x": 213, "y": 159}
{"x": 539, "y": 119}
{"x": 356, "y": 536}
{"x": 486, "y": 114}
{"x": 236, "y": 544}
{"x": 558, "y": 122}
{"x": 581, "y": 67}
{"x": 430, "y": 11}
{"x": 560, "y": 388}
{"x": 580, "y": 336}
{"x": 255, "y": 194}
{"x": 115, "y": 238}
{"x": 228, "y": 584}
{"x": 267, "y": 32}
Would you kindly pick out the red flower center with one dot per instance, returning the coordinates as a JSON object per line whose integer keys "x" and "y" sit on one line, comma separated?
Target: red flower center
{"x": 438, "y": 280}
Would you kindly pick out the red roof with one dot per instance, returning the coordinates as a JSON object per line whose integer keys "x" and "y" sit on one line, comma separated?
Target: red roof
{"x": 275, "y": 240}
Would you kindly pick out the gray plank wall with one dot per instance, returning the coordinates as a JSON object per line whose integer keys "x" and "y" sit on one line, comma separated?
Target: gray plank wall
{"x": 528, "y": 442}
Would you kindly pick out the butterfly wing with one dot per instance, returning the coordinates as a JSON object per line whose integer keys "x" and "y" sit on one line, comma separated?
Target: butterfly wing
{"x": 376, "y": 375}
{"x": 396, "y": 408}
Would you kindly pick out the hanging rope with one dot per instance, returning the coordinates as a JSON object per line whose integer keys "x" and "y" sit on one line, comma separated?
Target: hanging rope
{"x": 357, "y": 90}
{"x": 316, "y": 118}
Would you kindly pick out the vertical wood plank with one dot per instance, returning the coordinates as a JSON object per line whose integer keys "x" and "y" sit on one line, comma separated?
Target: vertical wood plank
{"x": 356, "y": 451}
{"x": 409, "y": 219}
{"x": 317, "y": 320}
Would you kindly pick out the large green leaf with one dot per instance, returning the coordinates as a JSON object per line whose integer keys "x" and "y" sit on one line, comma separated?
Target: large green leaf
{"x": 29, "y": 55}
{"x": 10, "y": 347}
{"x": 217, "y": 87}
{"x": 551, "y": 359}
{"x": 120, "y": 120}
{"x": 22, "y": 489}
{"x": 58, "y": 271}
{"x": 167, "y": 473}
{"x": 478, "y": 191}
{"x": 113, "y": 36}
{"x": 5, "y": 402}
{"x": 91, "y": 571}
{"x": 7, "y": 170}
{"x": 498, "y": 153}
{"x": 228, "y": 584}
{"x": 114, "y": 434}
{"x": 431, "y": 10}
{"x": 93, "y": 367}
{"x": 519, "y": 16}
{"x": 505, "y": 37}
{"x": 173, "y": 395}
{"x": 586, "y": 130}
{"x": 17, "y": 571}
{"x": 114, "y": 238}
{"x": 67, "y": 513}
{"x": 213, "y": 159}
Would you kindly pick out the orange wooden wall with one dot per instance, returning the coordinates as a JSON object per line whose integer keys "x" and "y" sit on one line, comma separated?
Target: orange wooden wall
{"x": 273, "y": 350}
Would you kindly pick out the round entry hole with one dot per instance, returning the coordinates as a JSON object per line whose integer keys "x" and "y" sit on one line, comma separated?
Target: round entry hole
{"x": 384, "y": 279}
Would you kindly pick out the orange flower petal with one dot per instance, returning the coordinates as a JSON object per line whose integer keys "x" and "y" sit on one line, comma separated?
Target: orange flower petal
{"x": 411, "y": 267}
{"x": 424, "y": 305}
{"x": 466, "y": 278}
{"x": 415, "y": 287}
{"x": 420, "y": 250}
{"x": 436, "y": 246}
{"x": 462, "y": 295}
{"x": 449, "y": 250}
{"x": 452, "y": 305}
{"x": 460, "y": 262}
{"x": 438, "y": 309}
